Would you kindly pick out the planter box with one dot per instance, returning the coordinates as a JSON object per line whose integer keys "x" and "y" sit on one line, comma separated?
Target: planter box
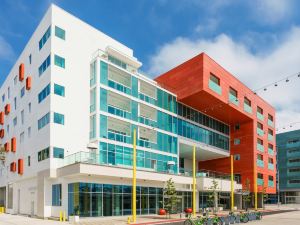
{"x": 74, "y": 219}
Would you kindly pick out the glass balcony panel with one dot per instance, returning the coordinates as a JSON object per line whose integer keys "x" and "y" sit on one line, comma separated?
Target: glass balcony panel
{"x": 260, "y": 132}
{"x": 270, "y": 123}
{"x": 271, "y": 183}
{"x": 260, "y": 163}
{"x": 247, "y": 108}
{"x": 270, "y": 137}
{"x": 233, "y": 99}
{"x": 270, "y": 151}
{"x": 260, "y": 116}
{"x": 260, "y": 181}
{"x": 260, "y": 147}
{"x": 215, "y": 87}
{"x": 270, "y": 166}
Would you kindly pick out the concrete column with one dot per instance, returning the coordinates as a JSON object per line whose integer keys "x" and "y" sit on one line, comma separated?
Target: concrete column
{"x": 40, "y": 196}
{"x": 238, "y": 201}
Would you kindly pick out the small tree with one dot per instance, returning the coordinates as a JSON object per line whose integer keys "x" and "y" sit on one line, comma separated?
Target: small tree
{"x": 170, "y": 197}
{"x": 213, "y": 196}
{"x": 246, "y": 194}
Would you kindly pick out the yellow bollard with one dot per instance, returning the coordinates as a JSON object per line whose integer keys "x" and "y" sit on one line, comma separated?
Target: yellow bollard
{"x": 64, "y": 216}
{"x": 60, "y": 216}
{"x": 128, "y": 220}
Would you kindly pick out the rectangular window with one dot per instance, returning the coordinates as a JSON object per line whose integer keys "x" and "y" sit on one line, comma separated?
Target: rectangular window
{"x": 59, "y": 118}
{"x": 15, "y": 121}
{"x": 30, "y": 59}
{"x": 43, "y": 154}
{"x": 214, "y": 79}
{"x": 247, "y": 102}
{"x": 44, "y": 121}
{"x": 22, "y": 92}
{"x": 260, "y": 110}
{"x": 56, "y": 195}
{"x": 59, "y": 61}
{"x": 15, "y": 80}
{"x": 45, "y": 65}
{"x": 28, "y": 160}
{"x": 22, "y": 137}
{"x": 58, "y": 153}
{"x": 22, "y": 116}
{"x": 44, "y": 93}
{"x": 15, "y": 103}
{"x": 3, "y": 98}
{"x": 29, "y": 107}
{"x": 29, "y": 132}
{"x": 45, "y": 37}
{"x": 8, "y": 92}
{"x": 60, "y": 33}
{"x": 59, "y": 90}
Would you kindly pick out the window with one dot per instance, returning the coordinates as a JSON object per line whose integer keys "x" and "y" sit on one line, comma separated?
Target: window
{"x": 270, "y": 117}
{"x": 8, "y": 92}
{"x": 59, "y": 90}
{"x": 45, "y": 37}
{"x": 29, "y": 107}
{"x": 260, "y": 157}
{"x": 260, "y": 126}
{"x": 247, "y": 102}
{"x": 237, "y": 157}
{"x": 7, "y": 128}
{"x": 260, "y": 176}
{"x": 44, "y": 93}
{"x": 270, "y": 160}
{"x": 214, "y": 79}
{"x": 56, "y": 195}
{"x": 59, "y": 118}
{"x": 43, "y": 154}
{"x": 3, "y": 98}
{"x": 30, "y": 59}
{"x": 259, "y": 141}
{"x": 22, "y": 116}
{"x": 15, "y": 121}
{"x": 294, "y": 181}
{"x": 28, "y": 160}
{"x": 45, "y": 65}
{"x": 233, "y": 92}
{"x": 294, "y": 170}
{"x": 15, "y": 80}
{"x": 260, "y": 110}
{"x": 237, "y": 141}
{"x": 60, "y": 33}
{"x": 29, "y": 132}
{"x": 44, "y": 121}
{"x": 22, "y": 137}
{"x": 22, "y": 92}
{"x": 58, "y": 153}
{"x": 15, "y": 103}
{"x": 59, "y": 61}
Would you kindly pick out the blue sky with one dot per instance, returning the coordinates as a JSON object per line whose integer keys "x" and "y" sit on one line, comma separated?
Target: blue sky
{"x": 256, "y": 40}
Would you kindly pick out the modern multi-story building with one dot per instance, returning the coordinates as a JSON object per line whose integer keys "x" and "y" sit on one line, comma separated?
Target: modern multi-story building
{"x": 69, "y": 108}
{"x": 288, "y": 166}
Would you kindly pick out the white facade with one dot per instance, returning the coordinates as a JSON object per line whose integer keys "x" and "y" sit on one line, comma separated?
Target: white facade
{"x": 83, "y": 44}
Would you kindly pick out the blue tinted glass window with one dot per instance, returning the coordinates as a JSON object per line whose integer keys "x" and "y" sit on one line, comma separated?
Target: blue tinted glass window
{"x": 59, "y": 90}
{"x": 59, "y": 61}
{"x": 56, "y": 195}
{"x": 58, "y": 152}
{"x": 59, "y": 32}
{"x": 44, "y": 121}
{"x": 45, "y": 37}
{"x": 44, "y": 93}
{"x": 59, "y": 118}
{"x": 44, "y": 65}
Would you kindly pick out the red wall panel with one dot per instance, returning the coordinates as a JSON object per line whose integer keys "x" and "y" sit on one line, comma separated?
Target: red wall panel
{"x": 21, "y": 72}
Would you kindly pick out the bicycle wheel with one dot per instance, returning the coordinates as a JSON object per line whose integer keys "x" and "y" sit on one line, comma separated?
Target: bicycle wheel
{"x": 188, "y": 222}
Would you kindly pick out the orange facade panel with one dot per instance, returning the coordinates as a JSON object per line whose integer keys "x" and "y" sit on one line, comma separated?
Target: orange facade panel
{"x": 13, "y": 167}
{"x": 13, "y": 144}
{"x": 7, "y": 146}
{"x": 7, "y": 109}
{"x": 21, "y": 72}
{"x": 2, "y": 132}
{"x": 20, "y": 166}
{"x": 1, "y": 118}
{"x": 28, "y": 83}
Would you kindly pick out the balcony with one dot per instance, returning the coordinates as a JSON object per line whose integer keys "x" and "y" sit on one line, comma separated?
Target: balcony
{"x": 260, "y": 132}
{"x": 270, "y": 123}
{"x": 233, "y": 99}
{"x": 119, "y": 87}
{"x": 260, "y": 181}
{"x": 147, "y": 121}
{"x": 247, "y": 108}
{"x": 147, "y": 93}
{"x": 260, "y": 116}
{"x": 270, "y": 166}
{"x": 148, "y": 115}
{"x": 270, "y": 151}
{"x": 270, "y": 183}
{"x": 118, "y": 105}
{"x": 147, "y": 138}
{"x": 294, "y": 153}
{"x": 296, "y": 163}
{"x": 215, "y": 87}
{"x": 260, "y": 147}
{"x": 260, "y": 163}
{"x": 270, "y": 137}
{"x": 293, "y": 144}
{"x": 118, "y": 130}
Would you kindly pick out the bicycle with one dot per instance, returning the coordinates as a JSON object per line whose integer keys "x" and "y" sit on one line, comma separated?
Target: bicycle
{"x": 196, "y": 221}
{"x": 244, "y": 217}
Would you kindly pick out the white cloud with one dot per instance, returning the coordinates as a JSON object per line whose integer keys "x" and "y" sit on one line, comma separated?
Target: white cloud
{"x": 254, "y": 69}
{"x": 6, "y": 51}
{"x": 208, "y": 26}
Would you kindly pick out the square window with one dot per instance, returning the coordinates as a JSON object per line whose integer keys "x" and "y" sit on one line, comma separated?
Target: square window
{"x": 59, "y": 61}
{"x": 59, "y": 90}
{"x": 59, "y": 118}
{"x": 60, "y": 33}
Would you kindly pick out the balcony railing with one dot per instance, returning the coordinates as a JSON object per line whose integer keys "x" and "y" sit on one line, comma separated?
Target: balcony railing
{"x": 293, "y": 153}
{"x": 293, "y": 163}
{"x": 260, "y": 132}
{"x": 260, "y": 163}
{"x": 119, "y": 137}
{"x": 147, "y": 144}
{"x": 270, "y": 151}
{"x": 147, "y": 121}
{"x": 147, "y": 98}
{"x": 260, "y": 181}
{"x": 293, "y": 144}
{"x": 270, "y": 137}
{"x": 270, "y": 123}
{"x": 260, "y": 147}
{"x": 270, "y": 183}
{"x": 270, "y": 166}
{"x": 247, "y": 108}
{"x": 118, "y": 112}
{"x": 260, "y": 116}
{"x": 215, "y": 87}
{"x": 119, "y": 87}
{"x": 233, "y": 99}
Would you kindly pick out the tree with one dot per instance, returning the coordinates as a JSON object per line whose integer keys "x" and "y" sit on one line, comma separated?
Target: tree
{"x": 213, "y": 196}
{"x": 170, "y": 197}
{"x": 246, "y": 194}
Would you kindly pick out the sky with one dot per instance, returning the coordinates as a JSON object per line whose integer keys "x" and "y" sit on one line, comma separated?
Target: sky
{"x": 258, "y": 41}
